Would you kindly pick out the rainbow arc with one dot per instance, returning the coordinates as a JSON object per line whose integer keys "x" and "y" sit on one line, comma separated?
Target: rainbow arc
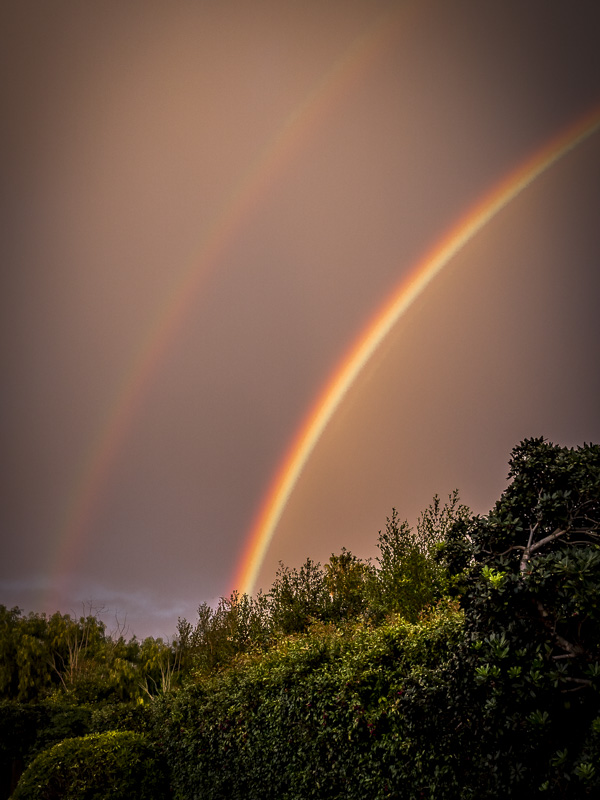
{"x": 398, "y": 303}
{"x": 246, "y": 196}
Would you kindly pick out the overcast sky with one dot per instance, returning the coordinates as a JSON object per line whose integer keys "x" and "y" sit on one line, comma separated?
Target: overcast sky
{"x": 204, "y": 204}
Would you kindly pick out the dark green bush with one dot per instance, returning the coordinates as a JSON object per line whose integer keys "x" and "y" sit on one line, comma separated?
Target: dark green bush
{"x": 118, "y": 765}
{"x": 121, "y": 717}
{"x": 19, "y": 724}
{"x": 28, "y": 728}
{"x": 63, "y": 721}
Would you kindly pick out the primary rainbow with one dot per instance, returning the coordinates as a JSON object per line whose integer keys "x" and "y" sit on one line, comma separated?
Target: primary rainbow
{"x": 403, "y": 296}
{"x": 250, "y": 190}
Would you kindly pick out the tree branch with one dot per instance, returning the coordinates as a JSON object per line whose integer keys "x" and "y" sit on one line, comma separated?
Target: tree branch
{"x": 512, "y": 547}
{"x": 547, "y": 539}
{"x": 574, "y": 650}
{"x": 527, "y": 550}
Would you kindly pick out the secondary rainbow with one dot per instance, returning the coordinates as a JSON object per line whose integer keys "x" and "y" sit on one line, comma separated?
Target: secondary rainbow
{"x": 401, "y": 299}
{"x": 253, "y": 186}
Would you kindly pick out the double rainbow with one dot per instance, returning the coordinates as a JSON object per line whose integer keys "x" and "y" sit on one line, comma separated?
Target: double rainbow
{"x": 267, "y": 167}
{"x": 246, "y": 196}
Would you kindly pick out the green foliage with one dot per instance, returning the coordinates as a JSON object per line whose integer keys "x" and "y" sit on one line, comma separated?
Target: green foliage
{"x": 25, "y": 655}
{"x": 121, "y": 717}
{"x": 410, "y": 577}
{"x": 505, "y": 704}
{"x": 238, "y": 624}
{"x": 107, "y": 766}
{"x": 28, "y": 728}
{"x": 528, "y": 674}
{"x": 62, "y": 721}
{"x": 40, "y": 654}
{"x": 157, "y": 664}
{"x": 298, "y": 597}
{"x": 317, "y": 715}
{"x": 358, "y": 678}
{"x": 407, "y": 580}
{"x": 19, "y": 726}
{"x": 346, "y": 579}
{"x": 75, "y": 659}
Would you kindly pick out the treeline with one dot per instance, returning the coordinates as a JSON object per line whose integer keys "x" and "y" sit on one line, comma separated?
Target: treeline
{"x": 462, "y": 662}
{"x": 64, "y": 676}
{"x": 405, "y": 578}
{"x": 76, "y": 659}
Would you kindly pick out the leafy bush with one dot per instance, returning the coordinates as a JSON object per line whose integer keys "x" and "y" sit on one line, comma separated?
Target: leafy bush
{"x": 28, "y": 728}
{"x": 119, "y": 765}
{"x": 121, "y": 717}
{"x": 319, "y": 715}
{"x": 409, "y": 578}
{"x": 19, "y": 724}
{"x": 63, "y": 721}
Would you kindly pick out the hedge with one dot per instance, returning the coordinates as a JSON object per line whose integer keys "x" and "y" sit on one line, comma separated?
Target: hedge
{"x": 329, "y": 714}
{"x": 118, "y": 765}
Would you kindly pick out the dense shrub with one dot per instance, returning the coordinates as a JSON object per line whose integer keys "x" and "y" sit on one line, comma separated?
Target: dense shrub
{"x": 320, "y": 715}
{"x": 19, "y": 724}
{"x": 62, "y": 721}
{"x": 121, "y": 717}
{"x": 28, "y": 728}
{"x": 119, "y": 765}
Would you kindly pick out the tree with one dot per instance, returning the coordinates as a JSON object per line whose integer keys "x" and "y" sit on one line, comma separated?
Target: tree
{"x": 298, "y": 596}
{"x": 528, "y": 576}
{"x": 409, "y": 576}
{"x": 158, "y": 666}
{"x": 346, "y": 579}
{"x": 9, "y": 625}
{"x": 239, "y": 623}
{"x": 77, "y": 649}
{"x": 26, "y": 655}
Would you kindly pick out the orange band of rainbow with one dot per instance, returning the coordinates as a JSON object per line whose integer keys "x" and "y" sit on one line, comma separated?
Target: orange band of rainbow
{"x": 401, "y": 299}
